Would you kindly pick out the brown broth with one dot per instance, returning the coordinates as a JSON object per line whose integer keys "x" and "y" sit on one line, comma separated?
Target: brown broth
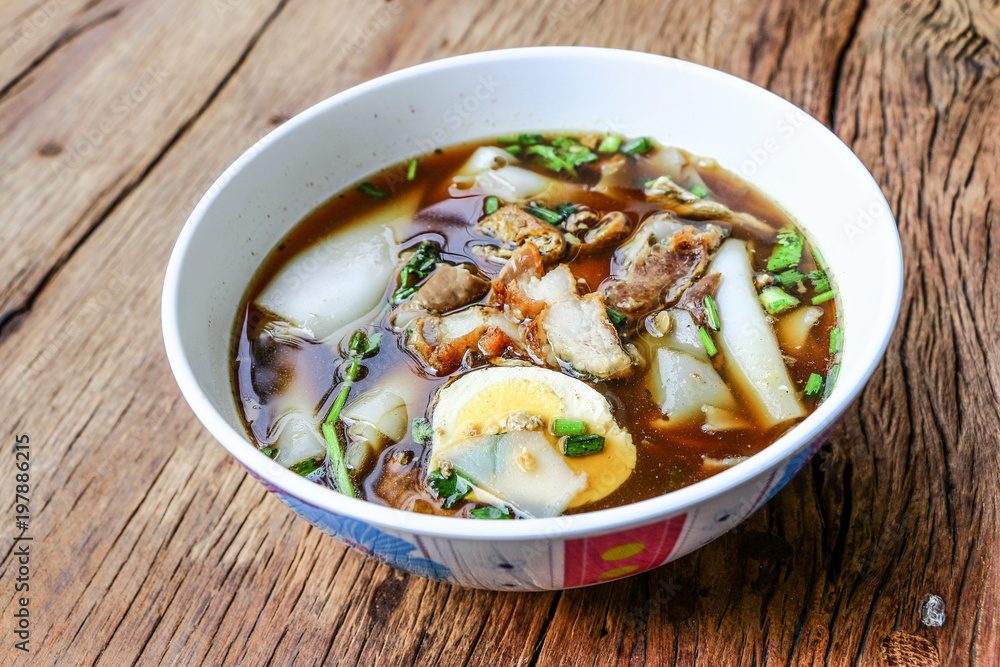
{"x": 666, "y": 460}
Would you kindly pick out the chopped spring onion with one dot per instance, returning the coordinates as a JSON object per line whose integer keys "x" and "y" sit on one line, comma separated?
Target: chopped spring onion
{"x": 831, "y": 380}
{"x": 491, "y": 205}
{"x": 836, "y": 340}
{"x": 362, "y": 346}
{"x": 820, "y": 298}
{"x": 820, "y": 281}
{"x": 712, "y": 313}
{"x": 530, "y": 139}
{"x": 269, "y": 452}
{"x": 411, "y": 172}
{"x": 491, "y": 512}
{"x": 637, "y": 146}
{"x": 699, "y": 191}
{"x": 610, "y": 144}
{"x": 787, "y": 251}
{"x": 615, "y": 317}
{"x": 791, "y": 277}
{"x": 648, "y": 184}
{"x": 419, "y": 267}
{"x": 452, "y": 488}
{"x": 820, "y": 260}
{"x": 545, "y": 214}
{"x": 305, "y": 468}
{"x": 515, "y": 149}
{"x": 561, "y": 427}
{"x": 707, "y": 341}
{"x": 566, "y": 209}
{"x": 777, "y": 300}
{"x": 815, "y": 385}
{"x": 582, "y": 445}
{"x": 372, "y": 190}
{"x": 421, "y": 430}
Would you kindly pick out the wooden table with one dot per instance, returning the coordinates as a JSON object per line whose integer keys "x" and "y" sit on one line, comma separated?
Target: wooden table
{"x": 150, "y": 545}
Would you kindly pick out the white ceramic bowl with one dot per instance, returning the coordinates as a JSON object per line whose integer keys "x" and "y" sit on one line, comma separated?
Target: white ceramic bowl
{"x": 787, "y": 154}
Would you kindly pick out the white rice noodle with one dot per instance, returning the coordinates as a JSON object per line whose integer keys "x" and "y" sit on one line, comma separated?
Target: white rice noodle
{"x": 341, "y": 279}
{"x": 485, "y": 158}
{"x": 512, "y": 184}
{"x": 683, "y": 384}
{"x": 794, "y": 327}
{"x": 298, "y": 440}
{"x": 753, "y": 358}
{"x": 379, "y": 412}
{"x": 671, "y": 162}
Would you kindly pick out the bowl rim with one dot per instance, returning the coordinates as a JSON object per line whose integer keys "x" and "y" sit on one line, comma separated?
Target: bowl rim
{"x": 662, "y": 507}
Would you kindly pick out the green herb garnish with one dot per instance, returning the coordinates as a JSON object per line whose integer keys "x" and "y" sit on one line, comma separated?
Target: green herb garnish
{"x": 820, "y": 298}
{"x": 491, "y": 512}
{"x": 305, "y": 468}
{"x": 610, "y": 144}
{"x": 452, "y": 488}
{"x": 419, "y": 267}
{"x": 565, "y": 154}
{"x": 814, "y": 386}
{"x": 491, "y": 205}
{"x": 836, "y": 340}
{"x": 514, "y": 150}
{"x": 777, "y": 300}
{"x": 616, "y": 318}
{"x": 582, "y": 445}
{"x": 545, "y": 214}
{"x": 421, "y": 430}
{"x": 707, "y": 341}
{"x": 712, "y": 313}
{"x": 637, "y": 146}
{"x": 791, "y": 277}
{"x": 820, "y": 281}
{"x": 411, "y": 172}
{"x": 372, "y": 190}
{"x": 362, "y": 346}
{"x": 561, "y": 427}
{"x": 567, "y": 209}
{"x": 820, "y": 260}
{"x": 787, "y": 251}
{"x": 269, "y": 452}
{"x": 530, "y": 139}
{"x": 831, "y": 380}
{"x": 699, "y": 191}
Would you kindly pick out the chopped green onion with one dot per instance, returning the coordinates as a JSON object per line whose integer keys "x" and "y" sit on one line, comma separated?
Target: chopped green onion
{"x": 365, "y": 346}
{"x": 530, "y": 139}
{"x": 648, "y": 184}
{"x": 421, "y": 431}
{"x": 831, "y": 380}
{"x": 610, "y": 144}
{"x": 777, "y": 300}
{"x": 791, "y": 277}
{"x": 820, "y": 298}
{"x": 814, "y": 385}
{"x": 706, "y": 340}
{"x": 820, "y": 260}
{"x": 567, "y": 209}
{"x": 269, "y": 452}
{"x": 712, "y": 313}
{"x": 637, "y": 146}
{"x": 699, "y": 191}
{"x": 305, "y": 468}
{"x": 491, "y": 205}
{"x": 411, "y": 173}
{"x": 820, "y": 281}
{"x": 615, "y": 317}
{"x": 582, "y": 445}
{"x": 787, "y": 251}
{"x": 836, "y": 340}
{"x": 403, "y": 293}
{"x": 545, "y": 214}
{"x": 561, "y": 427}
{"x": 420, "y": 266}
{"x": 372, "y": 190}
{"x": 514, "y": 150}
{"x": 491, "y": 512}
{"x": 452, "y": 488}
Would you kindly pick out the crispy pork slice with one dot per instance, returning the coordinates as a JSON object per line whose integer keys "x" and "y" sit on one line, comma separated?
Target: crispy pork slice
{"x": 442, "y": 343}
{"x": 515, "y": 227}
{"x": 509, "y": 285}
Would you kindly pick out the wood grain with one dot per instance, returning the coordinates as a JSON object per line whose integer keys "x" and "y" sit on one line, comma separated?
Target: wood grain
{"x": 152, "y": 547}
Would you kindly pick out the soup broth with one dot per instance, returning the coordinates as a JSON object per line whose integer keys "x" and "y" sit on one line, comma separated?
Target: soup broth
{"x": 431, "y": 308}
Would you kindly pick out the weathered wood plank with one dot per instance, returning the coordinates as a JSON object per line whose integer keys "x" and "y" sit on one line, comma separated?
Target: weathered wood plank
{"x": 157, "y": 548}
